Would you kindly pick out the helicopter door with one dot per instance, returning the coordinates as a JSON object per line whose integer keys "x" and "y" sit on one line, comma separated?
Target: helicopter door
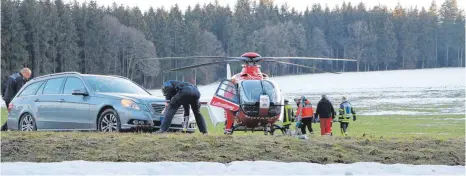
{"x": 226, "y": 96}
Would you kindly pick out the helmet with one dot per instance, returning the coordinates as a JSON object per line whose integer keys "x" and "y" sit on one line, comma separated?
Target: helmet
{"x": 286, "y": 101}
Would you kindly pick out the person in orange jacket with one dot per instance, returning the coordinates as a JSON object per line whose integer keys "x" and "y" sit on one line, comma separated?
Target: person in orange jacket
{"x": 305, "y": 114}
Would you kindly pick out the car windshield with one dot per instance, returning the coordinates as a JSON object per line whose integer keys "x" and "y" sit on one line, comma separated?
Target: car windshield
{"x": 251, "y": 90}
{"x": 109, "y": 84}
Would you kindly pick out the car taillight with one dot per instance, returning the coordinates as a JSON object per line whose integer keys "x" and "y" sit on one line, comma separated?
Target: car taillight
{"x": 10, "y": 106}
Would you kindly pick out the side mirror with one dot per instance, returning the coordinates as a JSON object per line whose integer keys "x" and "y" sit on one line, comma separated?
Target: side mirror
{"x": 80, "y": 91}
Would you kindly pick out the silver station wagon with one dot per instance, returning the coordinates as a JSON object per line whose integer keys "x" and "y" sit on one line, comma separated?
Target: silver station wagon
{"x": 72, "y": 101}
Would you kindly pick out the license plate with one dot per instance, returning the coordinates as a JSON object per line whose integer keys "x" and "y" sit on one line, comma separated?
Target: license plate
{"x": 177, "y": 120}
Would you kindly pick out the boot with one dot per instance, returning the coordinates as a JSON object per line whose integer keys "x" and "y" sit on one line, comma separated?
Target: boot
{"x": 228, "y": 131}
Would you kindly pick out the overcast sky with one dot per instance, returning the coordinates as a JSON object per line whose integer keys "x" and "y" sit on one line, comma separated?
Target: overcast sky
{"x": 297, "y": 4}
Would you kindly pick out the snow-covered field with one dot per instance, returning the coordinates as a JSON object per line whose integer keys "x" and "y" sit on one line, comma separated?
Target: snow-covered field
{"x": 234, "y": 168}
{"x": 400, "y": 92}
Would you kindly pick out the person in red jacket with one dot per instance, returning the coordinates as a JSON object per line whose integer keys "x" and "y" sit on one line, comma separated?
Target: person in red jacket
{"x": 306, "y": 113}
{"x": 326, "y": 113}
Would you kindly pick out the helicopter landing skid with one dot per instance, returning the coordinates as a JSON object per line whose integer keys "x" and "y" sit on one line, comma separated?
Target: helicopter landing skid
{"x": 267, "y": 129}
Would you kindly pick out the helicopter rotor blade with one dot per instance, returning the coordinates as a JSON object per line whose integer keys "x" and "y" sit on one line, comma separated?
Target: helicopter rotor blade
{"x": 304, "y": 58}
{"x": 299, "y": 65}
{"x": 193, "y": 57}
{"x": 200, "y": 65}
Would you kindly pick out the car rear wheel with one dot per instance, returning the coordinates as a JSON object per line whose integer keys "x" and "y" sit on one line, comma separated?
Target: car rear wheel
{"x": 27, "y": 123}
{"x": 109, "y": 121}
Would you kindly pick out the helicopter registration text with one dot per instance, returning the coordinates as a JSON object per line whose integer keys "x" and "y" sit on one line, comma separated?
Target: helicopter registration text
{"x": 261, "y": 118}
{"x": 224, "y": 104}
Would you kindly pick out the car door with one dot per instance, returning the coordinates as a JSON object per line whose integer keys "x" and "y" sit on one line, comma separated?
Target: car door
{"x": 48, "y": 102}
{"x": 226, "y": 96}
{"x": 75, "y": 108}
{"x": 25, "y": 101}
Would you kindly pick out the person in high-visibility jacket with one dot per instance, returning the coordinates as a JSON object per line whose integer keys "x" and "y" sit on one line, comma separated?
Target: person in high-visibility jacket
{"x": 346, "y": 111}
{"x": 288, "y": 116}
{"x": 306, "y": 114}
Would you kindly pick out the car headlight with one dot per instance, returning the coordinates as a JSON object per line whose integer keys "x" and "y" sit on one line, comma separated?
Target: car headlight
{"x": 130, "y": 104}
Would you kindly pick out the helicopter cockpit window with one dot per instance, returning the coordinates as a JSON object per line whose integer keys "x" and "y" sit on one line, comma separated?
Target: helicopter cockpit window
{"x": 227, "y": 90}
{"x": 251, "y": 90}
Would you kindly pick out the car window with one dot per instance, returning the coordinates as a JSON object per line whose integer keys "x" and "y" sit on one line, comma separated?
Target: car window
{"x": 109, "y": 84}
{"x": 53, "y": 86}
{"x": 41, "y": 89}
{"x": 31, "y": 89}
{"x": 71, "y": 84}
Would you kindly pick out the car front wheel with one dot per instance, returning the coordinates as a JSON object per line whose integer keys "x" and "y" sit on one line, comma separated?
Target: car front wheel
{"x": 27, "y": 123}
{"x": 109, "y": 121}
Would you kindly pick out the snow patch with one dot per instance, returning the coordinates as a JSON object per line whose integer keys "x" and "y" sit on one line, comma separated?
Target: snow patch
{"x": 396, "y": 113}
{"x": 234, "y": 168}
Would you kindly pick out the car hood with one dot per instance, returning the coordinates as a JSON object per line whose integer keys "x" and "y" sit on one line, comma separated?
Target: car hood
{"x": 145, "y": 99}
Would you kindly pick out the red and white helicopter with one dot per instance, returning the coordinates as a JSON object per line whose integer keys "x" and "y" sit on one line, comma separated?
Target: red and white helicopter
{"x": 249, "y": 100}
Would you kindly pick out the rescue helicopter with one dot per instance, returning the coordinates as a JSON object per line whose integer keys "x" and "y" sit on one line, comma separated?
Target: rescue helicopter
{"x": 250, "y": 99}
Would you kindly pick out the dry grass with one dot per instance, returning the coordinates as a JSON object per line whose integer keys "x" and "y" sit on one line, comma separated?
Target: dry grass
{"x": 54, "y": 147}
{"x": 388, "y": 139}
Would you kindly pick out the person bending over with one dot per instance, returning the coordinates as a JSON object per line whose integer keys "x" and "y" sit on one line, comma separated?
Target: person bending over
{"x": 181, "y": 94}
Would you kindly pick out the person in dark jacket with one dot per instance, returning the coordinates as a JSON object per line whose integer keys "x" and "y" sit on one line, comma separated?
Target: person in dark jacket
{"x": 181, "y": 94}
{"x": 326, "y": 113}
{"x": 12, "y": 86}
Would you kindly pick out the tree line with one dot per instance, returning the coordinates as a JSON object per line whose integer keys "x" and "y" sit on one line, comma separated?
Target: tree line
{"x": 53, "y": 36}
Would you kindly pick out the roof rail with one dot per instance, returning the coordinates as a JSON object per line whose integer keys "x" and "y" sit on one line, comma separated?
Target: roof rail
{"x": 110, "y": 75}
{"x": 114, "y": 75}
{"x": 55, "y": 74}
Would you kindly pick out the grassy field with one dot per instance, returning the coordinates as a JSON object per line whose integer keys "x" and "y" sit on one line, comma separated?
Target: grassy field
{"x": 438, "y": 126}
{"x": 385, "y": 139}
{"x": 441, "y": 126}
{"x": 4, "y": 115}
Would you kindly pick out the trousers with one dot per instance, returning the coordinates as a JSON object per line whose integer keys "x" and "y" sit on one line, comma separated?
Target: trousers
{"x": 306, "y": 122}
{"x": 344, "y": 127}
{"x": 325, "y": 126}
{"x": 188, "y": 96}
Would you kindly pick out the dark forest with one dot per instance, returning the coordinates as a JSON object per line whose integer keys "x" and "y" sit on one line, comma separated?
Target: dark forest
{"x": 53, "y": 36}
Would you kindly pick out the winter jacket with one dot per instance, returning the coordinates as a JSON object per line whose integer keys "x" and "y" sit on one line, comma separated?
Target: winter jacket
{"x": 182, "y": 88}
{"x": 289, "y": 114}
{"x": 12, "y": 86}
{"x": 307, "y": 111}
{"x": 175, "y": 87}
{"x": 325, "y": 109}
{"x": 346, "y": 112}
